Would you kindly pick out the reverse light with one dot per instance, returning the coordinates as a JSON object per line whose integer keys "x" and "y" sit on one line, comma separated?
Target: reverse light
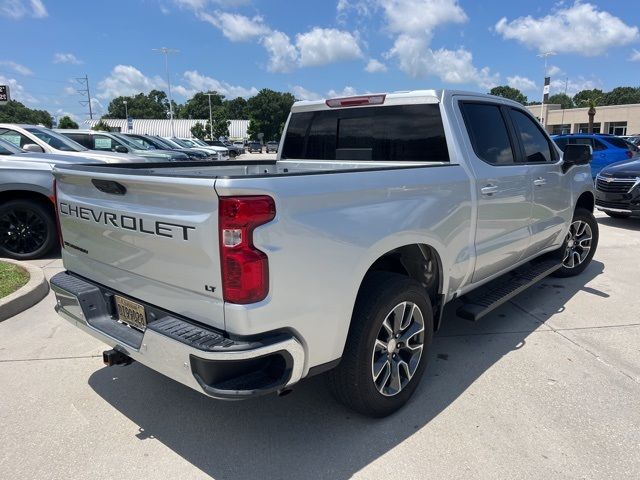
{"x": 356, "y": 101}
{"x": 245, "y": 269}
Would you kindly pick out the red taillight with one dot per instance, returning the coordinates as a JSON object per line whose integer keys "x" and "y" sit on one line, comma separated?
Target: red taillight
{"x": 55, "y": 206}
{"x": 245, "y": 269}
{"x": 629, "y": 154}
{"x": 356, "y": 101}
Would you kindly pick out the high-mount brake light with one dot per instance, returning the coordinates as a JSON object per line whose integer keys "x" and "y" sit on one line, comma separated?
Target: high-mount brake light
{"x": 356, "y": 101}
{"x": 245, "y": 269}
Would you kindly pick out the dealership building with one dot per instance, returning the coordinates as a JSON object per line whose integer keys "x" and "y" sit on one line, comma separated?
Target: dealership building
{"x": 613, "y": 119}
{"x": 181, "y": 127}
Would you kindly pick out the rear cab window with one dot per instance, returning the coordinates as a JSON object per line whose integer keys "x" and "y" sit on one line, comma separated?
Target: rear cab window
{"x": 382, "y": 133}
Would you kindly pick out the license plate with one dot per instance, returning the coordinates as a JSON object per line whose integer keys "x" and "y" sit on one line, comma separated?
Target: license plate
{"x": 131, "y": 313}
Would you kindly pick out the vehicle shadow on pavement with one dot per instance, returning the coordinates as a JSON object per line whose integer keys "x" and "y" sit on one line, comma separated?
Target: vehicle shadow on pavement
{"x": 307, "y": 434}
{"x": 632, "y": 223}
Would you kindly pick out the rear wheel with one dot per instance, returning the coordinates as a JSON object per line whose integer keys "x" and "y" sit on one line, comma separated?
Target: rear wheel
{"x": 27, "y": 230}
{"x": 580, "y": 244}
{"x": 386, "y": 351}
{"x": 617, "y": 214}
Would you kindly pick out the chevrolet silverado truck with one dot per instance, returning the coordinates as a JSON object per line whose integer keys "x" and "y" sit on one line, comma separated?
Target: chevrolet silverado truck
{"x": 242, "y": 279}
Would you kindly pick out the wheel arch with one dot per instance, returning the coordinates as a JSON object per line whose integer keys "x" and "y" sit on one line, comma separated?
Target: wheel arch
{"x": 587, "y": 201}
{"x": 419, "y": 261}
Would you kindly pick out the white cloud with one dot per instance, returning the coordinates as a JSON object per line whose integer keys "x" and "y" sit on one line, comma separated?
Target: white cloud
{"x": 574, "y": 86}
{"x": 283, "y": 56}
{"x": 413, "y": 17}
{"x": 347, "y": 91}
{"x": 580, "y": 29}
{"x": 70, "y": 90}
{"x": 201, "y": 4}
{"x": 197, "y": 82}
{"x": 16, "y": 67}
{"x": 302, "y": 93}
{"x": 236, "y": 27}
{"x": 416, "y": 59}
{"x": 18, "y": 9}
{"x": 127, "y": 80}
{"x": 375, "y": 66}
{"x": 635, "y": 56}
{"x": 66, "y": 58}
{"x": 522, "y": 83}
{"x": 553, "y": 70}
{"x": 321, "y": 46}
{"x": 17, "y": 91}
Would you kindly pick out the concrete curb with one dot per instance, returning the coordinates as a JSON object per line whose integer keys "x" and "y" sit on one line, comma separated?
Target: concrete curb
{"x": 25, "y": 297}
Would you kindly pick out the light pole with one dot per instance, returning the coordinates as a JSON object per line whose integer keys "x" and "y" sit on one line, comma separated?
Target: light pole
{"x": 545, "y": 88}
{"x": 126, "y": 113}
{"x": 166, "y": 51}
{"x": 210, "y": 116}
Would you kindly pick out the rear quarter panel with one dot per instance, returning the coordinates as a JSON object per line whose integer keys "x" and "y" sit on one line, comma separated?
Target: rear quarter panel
{"x": 330, "y": 228}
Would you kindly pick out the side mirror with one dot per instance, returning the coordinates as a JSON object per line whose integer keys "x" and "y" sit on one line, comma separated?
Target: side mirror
{"x": 33, "y": 147}
{"x": 576, "y": 155}
{"x": 121, "y": 149}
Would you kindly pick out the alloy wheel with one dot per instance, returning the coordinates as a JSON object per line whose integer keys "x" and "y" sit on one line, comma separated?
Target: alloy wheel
{"x": 23, "y": 230}
{"x": 398, "y": 349}
{"x": 578, "y": 244}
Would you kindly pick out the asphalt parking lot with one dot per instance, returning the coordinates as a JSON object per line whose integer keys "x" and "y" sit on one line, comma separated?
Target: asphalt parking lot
{"x": 547, "y": 386}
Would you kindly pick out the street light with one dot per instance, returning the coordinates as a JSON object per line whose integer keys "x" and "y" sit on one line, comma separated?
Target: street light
{"x": 210, "y": 116}
{"x": 545, "y": 88}
{"x": 126, "y": 113}
{"x": 166, "y": 51}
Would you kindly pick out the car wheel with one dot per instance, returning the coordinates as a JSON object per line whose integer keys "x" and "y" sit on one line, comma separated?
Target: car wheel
{"x": 27, "y": 230}
{"x": 580, "y": 244}
{"x": 617, "y": 214}
{"x": 387, "y": 347}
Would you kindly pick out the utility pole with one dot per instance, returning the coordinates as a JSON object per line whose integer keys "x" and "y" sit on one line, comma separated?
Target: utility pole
{"x": 545, "y": 88}
{"x": 126, "y": 113}
{"x": 84, "y": 81}
{"x": 166, "y": 51}
{"x": 210, "y": 116}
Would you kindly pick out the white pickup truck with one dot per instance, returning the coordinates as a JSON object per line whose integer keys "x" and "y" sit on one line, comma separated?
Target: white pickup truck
{"x": 242, "y": 278}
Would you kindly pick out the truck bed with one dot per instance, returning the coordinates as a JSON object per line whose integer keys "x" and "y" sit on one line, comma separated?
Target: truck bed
{"x": 246, "y": 168}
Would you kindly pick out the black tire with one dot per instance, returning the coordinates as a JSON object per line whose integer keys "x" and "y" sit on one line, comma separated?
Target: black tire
{"x": 40, "y": 236}
{"x": 617, "y": 214}
{"x": 585, "y": 216}
{"x": 352, "y": 381}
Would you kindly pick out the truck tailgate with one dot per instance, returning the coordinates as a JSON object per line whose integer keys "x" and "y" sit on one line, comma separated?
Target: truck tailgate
{"x": 150, "y": 237}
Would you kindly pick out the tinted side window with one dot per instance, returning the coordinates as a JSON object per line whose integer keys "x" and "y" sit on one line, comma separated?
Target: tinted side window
{"x": 582, "y": 141}
{"x": 397, "y": 133}
{"x": 598, "y": 145}
{"x": 82, "y": 139}
{"x": 618, "y": 142}
{"x": 488, "y": 133}
{"x": 535, "y": 144}
{"x": 14, "y": 138}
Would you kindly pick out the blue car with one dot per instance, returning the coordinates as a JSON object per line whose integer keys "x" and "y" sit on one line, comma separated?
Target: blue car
{"x": 607, "y": 149}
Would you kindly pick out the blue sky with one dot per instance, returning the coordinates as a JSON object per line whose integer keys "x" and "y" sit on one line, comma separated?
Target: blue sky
{"x": 314, "y": 48}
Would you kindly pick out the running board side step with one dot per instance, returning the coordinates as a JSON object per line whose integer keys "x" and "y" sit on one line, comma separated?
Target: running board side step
{"x": 505, "y": 288}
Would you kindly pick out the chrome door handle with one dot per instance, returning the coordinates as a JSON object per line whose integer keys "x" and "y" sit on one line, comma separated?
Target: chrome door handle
{"x": 489, "y": 190}
{"x": 538, "y": 182}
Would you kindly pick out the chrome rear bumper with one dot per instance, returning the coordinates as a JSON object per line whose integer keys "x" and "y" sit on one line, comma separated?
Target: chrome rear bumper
{"x": 192, "y": 354}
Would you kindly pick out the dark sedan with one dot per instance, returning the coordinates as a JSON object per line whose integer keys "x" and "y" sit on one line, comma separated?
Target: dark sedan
{"x": 255, "y": 147}
{"x": 618, "y": 189}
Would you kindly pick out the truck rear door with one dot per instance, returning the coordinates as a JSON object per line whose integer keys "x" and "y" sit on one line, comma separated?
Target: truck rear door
{"x": 149, "y": 237}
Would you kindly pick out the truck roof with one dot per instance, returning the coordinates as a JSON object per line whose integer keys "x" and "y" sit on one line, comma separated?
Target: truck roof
{"x": 401, "y": 97}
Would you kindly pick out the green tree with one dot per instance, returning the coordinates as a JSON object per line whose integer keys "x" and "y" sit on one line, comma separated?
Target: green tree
{"x": 101, "y": 126}
{"x": 582, "y": 98}
{"x": 197, "y": 107}
{"x": 152, "y": 105}
{"x": 622, "y": 96}
{"x": 15, "y": 112}
{"x": 509, "y": 92}
{"x": 561, "y": 99}
{"x": 236, "y": 109}
{"x": 199, "y": 131}
{"x": 67, "y": 122}
{"x": 268, "y": 112}
{"x": 220, "y": 124}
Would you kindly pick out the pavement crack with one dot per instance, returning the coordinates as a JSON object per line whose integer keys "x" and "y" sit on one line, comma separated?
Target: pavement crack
{"x": 47, "y": 359}
{"x": 559, "y": 331}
